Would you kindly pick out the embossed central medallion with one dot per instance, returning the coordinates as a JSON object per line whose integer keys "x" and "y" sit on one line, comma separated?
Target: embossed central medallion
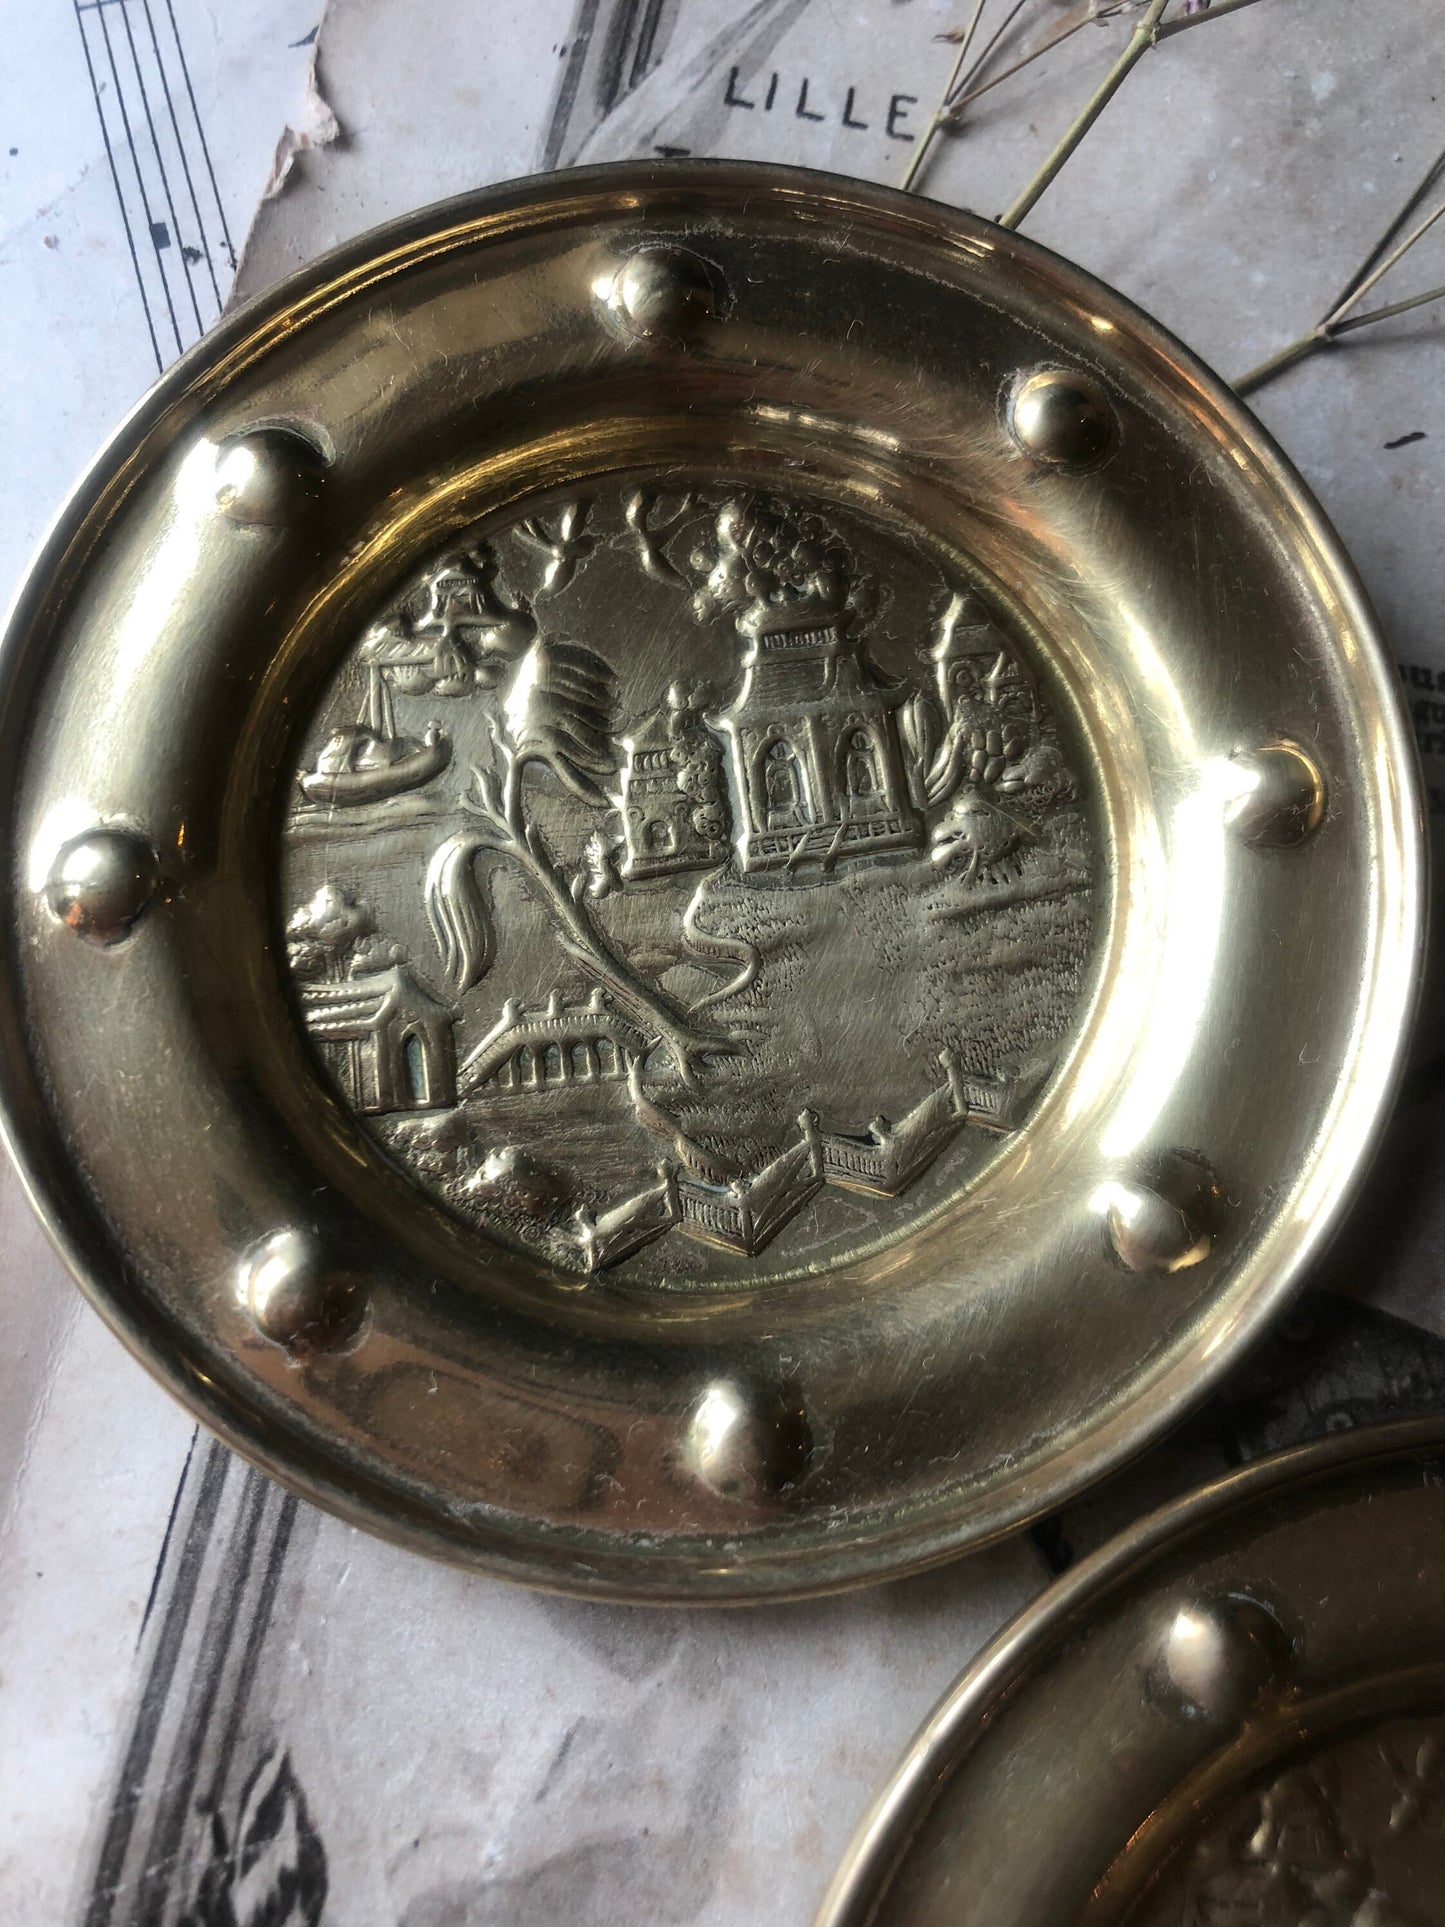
{"x": 674, "y": 876}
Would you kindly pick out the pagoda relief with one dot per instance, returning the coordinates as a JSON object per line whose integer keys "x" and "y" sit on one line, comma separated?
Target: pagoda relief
{"x": 673, "y": 813}
{"x": 745, "y": 893}
{"x": 813, "y": 740}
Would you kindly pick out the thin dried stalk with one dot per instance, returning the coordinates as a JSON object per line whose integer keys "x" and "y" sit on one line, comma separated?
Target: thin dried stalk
{"x": 1281, "y": 359}
{"x": 961, "y": 91}
{"x": 1140, "y": 41}
{"x": 1216, "y": 12}
{"x": 987, "y": 50}
{"x": 1354, "y": 321}
{"x": 1341, "y": 318}
{"x": 1326, "y": 337}
{"x": 1417, "y": 194}
{"x": 1358, "y": 294}
{"x": 920, "y": 152}
{"x": 955, "y": 112}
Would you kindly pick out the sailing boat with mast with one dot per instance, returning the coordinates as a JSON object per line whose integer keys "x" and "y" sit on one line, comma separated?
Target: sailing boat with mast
{"x": 463, "y": 638}
{"x": 371, "y": 760}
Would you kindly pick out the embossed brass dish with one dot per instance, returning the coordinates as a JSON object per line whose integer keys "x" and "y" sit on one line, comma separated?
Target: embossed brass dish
{"x": 1234, "y": 1713}
{"x": 714, "y": 877}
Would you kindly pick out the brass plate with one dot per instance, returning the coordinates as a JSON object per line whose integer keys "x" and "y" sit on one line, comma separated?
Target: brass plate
{"x": 1231, "y": 1716}
{"x": 715, "y": 880}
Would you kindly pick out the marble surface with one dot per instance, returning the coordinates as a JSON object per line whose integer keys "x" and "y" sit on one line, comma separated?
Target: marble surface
{"x": 217, "y": 1699}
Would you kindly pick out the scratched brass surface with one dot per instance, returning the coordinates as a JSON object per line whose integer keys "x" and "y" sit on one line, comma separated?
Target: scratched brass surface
{"x": 1231, "y": 1716}
{"x": 714, "y": 881}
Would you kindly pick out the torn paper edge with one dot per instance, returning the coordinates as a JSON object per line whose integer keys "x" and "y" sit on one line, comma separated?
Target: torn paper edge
{"x": 319, "y": 128}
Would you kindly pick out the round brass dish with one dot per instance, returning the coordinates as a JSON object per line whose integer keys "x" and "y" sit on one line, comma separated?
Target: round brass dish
{"x": 715, "y": 881}
{"x": 1234, "y": 1713}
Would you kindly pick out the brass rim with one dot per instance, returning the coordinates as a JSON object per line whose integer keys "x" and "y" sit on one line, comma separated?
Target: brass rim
{"x": 883, "y": 1537}
{"x": 980, "y": 1695}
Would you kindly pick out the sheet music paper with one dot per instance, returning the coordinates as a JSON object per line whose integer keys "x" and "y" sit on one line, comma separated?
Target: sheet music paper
{"x": 217, "y": 1701}
{"x": 135, "y": 139}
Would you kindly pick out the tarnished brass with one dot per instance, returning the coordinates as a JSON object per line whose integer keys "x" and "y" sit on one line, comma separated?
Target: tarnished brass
{"x": 1235, "y": 1712}
{"x": 752, "y": 881}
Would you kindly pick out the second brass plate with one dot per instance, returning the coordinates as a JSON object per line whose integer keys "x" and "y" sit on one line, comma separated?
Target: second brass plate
{"x": 1233, "y": 1715}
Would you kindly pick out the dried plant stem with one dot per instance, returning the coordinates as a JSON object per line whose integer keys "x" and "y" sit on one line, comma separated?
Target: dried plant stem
{"x": 1325, "y": 336}
{"x": 961, "y": 93}
{"x": 920, "y": 153}
{"x": 1351, "y": 322}
{"x": 1381, "y": 268}
{"x": 1140, "y": 41}
{"x": 1090, "y": 20}
{"x": 1421, "y": 188}
{"x": 1216, "y": 12}
{"x": 1342, "y": 319}
{"x": 1110, "y": 12}
{"x": 1281, "y": 359}
{"x": 986, "y": 51}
